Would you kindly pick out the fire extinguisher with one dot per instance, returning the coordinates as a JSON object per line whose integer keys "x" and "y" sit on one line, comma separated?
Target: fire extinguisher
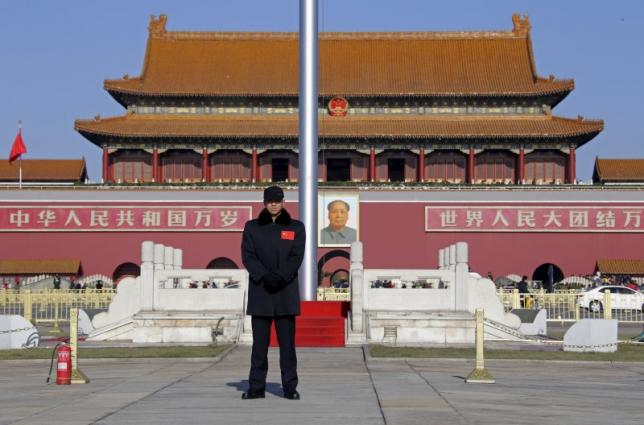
{"x": 63, "y": 354}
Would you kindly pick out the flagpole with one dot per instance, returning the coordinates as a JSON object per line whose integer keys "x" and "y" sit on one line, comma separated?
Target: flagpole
{"x": 20, "y": 159}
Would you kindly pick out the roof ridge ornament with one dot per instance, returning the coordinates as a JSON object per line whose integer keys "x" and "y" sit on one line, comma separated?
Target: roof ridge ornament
{"x": 521, "y": 24}
{"x": 157, "y": 26}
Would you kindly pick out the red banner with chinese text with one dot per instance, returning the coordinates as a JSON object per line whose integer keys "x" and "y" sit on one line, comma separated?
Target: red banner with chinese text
{"x": 124, "y": 218}
{"x": 569, "y": 218}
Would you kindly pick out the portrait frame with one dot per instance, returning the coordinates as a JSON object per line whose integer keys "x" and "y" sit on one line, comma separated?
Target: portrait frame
{"x": 352, "y": 199}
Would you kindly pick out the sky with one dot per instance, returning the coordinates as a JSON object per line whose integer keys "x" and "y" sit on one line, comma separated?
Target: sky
{"x": 56, "y": 54}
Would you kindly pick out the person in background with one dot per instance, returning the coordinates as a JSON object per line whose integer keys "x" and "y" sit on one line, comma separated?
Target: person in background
{"x": 632, "y": 285}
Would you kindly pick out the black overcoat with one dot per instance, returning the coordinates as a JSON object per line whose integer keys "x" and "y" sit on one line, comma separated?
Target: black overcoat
{"x": 273, "y": 246}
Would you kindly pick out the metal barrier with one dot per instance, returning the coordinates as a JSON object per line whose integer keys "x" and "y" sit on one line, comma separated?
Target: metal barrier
{"x": 565, "y": 306}
{"x": 52, "y": 305}
{"x": 334, "y": 294}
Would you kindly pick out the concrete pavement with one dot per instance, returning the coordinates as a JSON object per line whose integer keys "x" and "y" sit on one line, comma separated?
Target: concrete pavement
{"x": 338, "y": 386}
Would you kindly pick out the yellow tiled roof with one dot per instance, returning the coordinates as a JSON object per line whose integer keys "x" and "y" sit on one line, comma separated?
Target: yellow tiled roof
{"x": 428, "y": 126}
{"x": 621, "y": 266}
{"x": 619, "y": 170}
{"x": 350, "y": 64}
{"x": 40, "y": 266}
{"x": 54, "y": 170}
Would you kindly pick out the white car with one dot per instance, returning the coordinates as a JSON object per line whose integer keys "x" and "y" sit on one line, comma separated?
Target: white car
{"x": 621, "y": 298}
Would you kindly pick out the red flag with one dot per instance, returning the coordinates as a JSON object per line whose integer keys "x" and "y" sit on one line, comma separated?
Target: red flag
{"x": 18, "y": 148}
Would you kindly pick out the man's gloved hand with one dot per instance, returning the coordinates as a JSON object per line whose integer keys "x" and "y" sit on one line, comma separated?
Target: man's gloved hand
{"x": 272, "y": 282}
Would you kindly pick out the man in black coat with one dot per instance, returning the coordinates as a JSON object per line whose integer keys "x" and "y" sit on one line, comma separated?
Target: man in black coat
{"x": 272, "y": 252}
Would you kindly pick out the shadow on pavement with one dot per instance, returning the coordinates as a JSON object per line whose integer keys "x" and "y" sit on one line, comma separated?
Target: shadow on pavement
{"x": 271, "y": 387}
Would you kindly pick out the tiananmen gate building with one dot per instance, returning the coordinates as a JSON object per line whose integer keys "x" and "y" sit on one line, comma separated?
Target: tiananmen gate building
{"x": 430, "y": 138}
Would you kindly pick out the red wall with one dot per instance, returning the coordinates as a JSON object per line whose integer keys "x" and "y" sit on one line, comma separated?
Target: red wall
{"x": 393, "y": 236}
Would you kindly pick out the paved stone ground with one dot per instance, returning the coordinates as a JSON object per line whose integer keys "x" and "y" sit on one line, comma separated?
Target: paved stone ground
{"x": 338, "y": 387}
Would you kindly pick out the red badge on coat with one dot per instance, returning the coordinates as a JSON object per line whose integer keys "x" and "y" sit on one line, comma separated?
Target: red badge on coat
{"x": 288, "y": 235}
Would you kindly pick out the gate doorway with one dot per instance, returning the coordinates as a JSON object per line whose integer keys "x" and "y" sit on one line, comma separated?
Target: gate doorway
{"x": 548, "y": 274}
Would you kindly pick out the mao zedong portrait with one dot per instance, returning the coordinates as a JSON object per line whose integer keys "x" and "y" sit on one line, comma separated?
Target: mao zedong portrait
{"x": 337, "y": 232}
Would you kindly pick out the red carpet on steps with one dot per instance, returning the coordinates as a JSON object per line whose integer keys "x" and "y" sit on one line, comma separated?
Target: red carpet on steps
{"x": 320, "y": 325}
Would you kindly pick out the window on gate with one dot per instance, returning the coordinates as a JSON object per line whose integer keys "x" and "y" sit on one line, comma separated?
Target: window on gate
{"x": 446, "y": 166}
{"x": 132, "y": 165}
{"x": 230, "y": 165}
{"x": 545, "y": 167}
{"x": 181, "y": 166}
{"x": 495, "y": 166}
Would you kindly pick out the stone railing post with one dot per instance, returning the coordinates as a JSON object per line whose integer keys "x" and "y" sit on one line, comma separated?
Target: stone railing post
{"x": 452, "y": 257}
{"x": 441, "y": 260}
{"x": 177, "y": 259}
{"x": 357, "y": 288}
{"x": 445, "y": 258}
{"x": 168, "y": 263}
{"x": 147, "y": 275}
{"x": 462, "y": 275}
{"x": 159, "y": 251}
{"x": 159, "y": 265}
{"x": 168, "y": 258}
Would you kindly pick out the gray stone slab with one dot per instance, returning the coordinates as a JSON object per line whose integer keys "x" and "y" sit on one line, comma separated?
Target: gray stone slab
{"x": 338, "y": 387}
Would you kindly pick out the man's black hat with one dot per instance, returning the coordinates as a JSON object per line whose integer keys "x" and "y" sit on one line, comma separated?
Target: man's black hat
{"x": 273, "y": 193}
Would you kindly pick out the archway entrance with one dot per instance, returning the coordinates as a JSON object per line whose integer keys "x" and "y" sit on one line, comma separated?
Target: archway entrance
{"x": 125, "y": 270}
{"x": 332, "y": 265}
{"x": 548, "y": 274}
{"x": 222, "y": 263}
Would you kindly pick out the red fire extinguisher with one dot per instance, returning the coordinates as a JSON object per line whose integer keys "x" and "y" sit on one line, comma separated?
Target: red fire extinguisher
{"x": 64, "y": 365}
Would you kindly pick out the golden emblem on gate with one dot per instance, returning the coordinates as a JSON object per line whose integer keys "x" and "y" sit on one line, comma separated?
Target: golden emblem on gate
{"x": 338, "y": 107}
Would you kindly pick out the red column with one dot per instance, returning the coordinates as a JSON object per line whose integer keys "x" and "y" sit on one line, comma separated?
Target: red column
{"x": 521, "y": 166}
{"x": 106, "y": 162}
{"x": 470, "y": 166}
{"x": 421, "y": 165}
{"x": 205, "y": 166}
{"x": 155, "y": 165}
{"x": 372, "y": 164}
{"x": 253, "y": 166}
{"x": 572, "y": 175}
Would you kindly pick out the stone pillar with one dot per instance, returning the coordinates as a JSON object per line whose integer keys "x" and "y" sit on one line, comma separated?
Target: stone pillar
{"x": 445, "y": 258}
{"x": 155, "y": 165}
{"x": 452, "y": 257}
{"x": 168, "y": 258}
{"x": 441, "y": 260}
{"x": 372, "y": 164}
{"x": 205, "y": 166}
{"x": 421, "y": 165}
{"x": 357, "y": 287}
{"x": 106, "y": 162}
{"x": 177, "y": 260}
{"x": 572, "y": 174}
{"x": 146, "y": 278}
{"x": 521, "y": 171}
{"x": 470, "y": 166}
{"x": 254, "y": 167}
{"x": 462, "y": 275}
{"x": 159, "y": 251}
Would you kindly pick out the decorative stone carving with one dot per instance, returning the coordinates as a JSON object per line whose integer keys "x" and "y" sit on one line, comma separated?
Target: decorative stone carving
{"x": 157, "y": 26}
